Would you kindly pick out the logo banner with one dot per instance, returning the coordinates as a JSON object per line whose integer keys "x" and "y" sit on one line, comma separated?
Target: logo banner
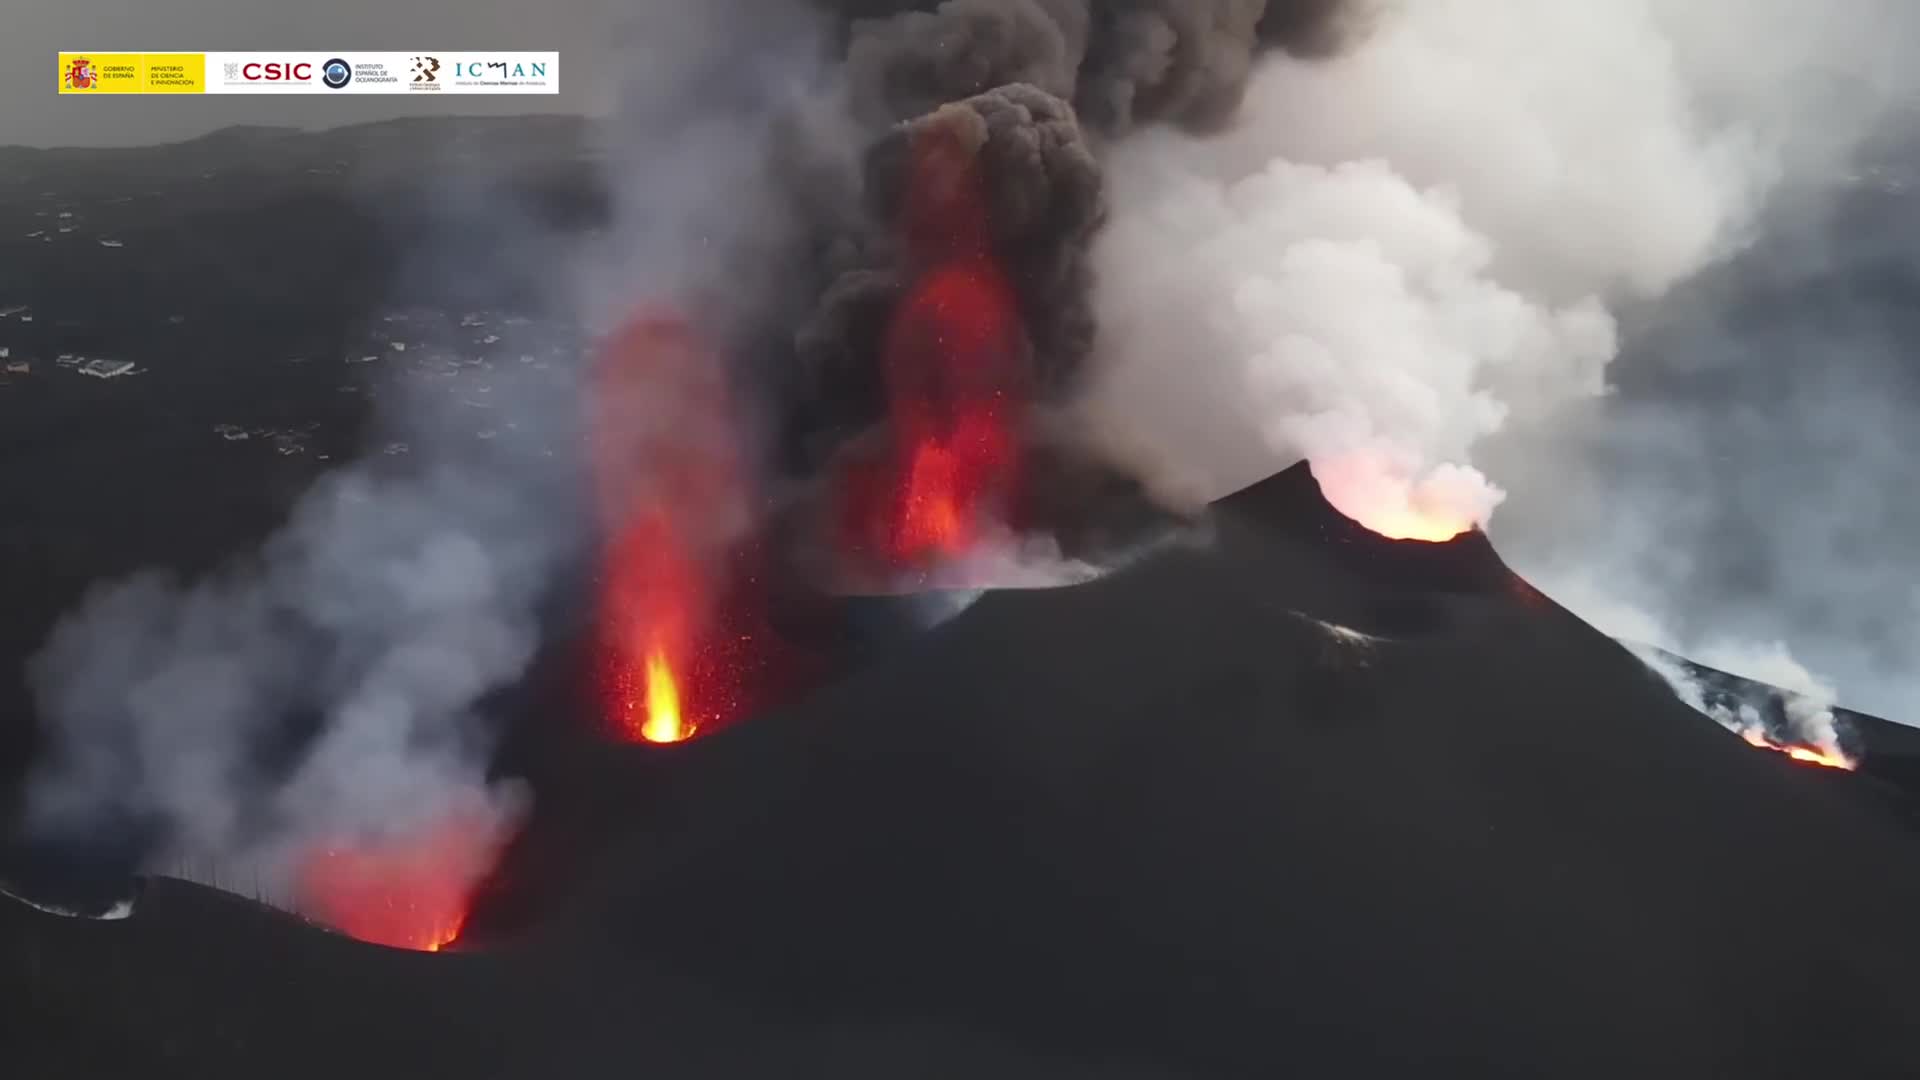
{"x": 132, "y": 73}
{"x": 340, "y": 72}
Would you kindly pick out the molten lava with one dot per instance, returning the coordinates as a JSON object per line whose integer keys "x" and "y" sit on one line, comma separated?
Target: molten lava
{"x": 1386, "y": 494}
{"x": 653, "y": 597}
{"x": 1831, "y": 759}
{"x": 957, "y": 376}
{"x": 410, "y": 892}
{"x": 663, "y": 723}
{"x": 683, "y": 641}
{"x": 1410, "y": 524}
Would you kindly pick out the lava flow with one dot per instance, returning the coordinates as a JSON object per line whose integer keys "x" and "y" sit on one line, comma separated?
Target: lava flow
{"x": 954, "y": 360}
{"x": 1830, "y": 759}
{"x": 678, "y": 620}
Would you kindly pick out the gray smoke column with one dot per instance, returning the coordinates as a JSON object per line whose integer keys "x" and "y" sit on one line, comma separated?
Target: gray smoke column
{"x": 1051, "y": 82}
{"x": 378, "y": 618}
{"x": 1043, "y": 202}
{"x": 1122, "y": 62}
{"x": 310, "y": 717}
{"x": 1395, "y": 253}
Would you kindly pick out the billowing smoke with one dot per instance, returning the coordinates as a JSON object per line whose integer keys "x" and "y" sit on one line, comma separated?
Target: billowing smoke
{"x": 1394, "y": 250}
{"x": 322, "y": 695}
{"x": 1419, "y": 258}
{"x": 1035, "y": 88}
{"x": 1042, "y": 201}
{"x": 313, "y": 722}
{"x": 1333, "y": 312}
{"x": 1122, "y": 63}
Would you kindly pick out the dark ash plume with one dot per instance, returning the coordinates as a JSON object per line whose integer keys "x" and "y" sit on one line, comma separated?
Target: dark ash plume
{"x": 1121, "y": 62}
{"x": 1034, "y": 86}
{"x": 1185, "y": 63}
{"x": 1041, "y": 188}
{"x": 905, "y": 66}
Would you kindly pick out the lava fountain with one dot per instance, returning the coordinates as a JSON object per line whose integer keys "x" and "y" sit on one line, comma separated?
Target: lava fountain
{"x": 653, "y": 598}
{"x": 665, "y": 722}
{"x": 678, "y": 623}
{"x": 957, "y": 376}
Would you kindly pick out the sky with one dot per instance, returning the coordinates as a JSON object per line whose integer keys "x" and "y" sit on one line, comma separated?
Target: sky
{"x": 36, "y": 31}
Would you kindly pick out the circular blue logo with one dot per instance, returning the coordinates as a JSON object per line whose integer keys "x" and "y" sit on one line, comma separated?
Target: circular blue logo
{"x": 336, "y": 73}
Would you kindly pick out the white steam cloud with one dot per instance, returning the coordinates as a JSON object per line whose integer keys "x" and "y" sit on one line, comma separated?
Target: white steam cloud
{"x": 1419, "y": 260}
{"x": 381, "y": 614}
{"x": 1393, "y": 254}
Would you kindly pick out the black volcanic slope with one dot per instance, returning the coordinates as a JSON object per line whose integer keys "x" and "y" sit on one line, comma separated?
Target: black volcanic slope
{"x": 254, "y": 264}
{"x": 1285, "y": 800}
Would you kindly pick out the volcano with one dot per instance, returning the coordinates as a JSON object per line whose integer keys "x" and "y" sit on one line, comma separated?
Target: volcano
{"x": 1281, "y": 798}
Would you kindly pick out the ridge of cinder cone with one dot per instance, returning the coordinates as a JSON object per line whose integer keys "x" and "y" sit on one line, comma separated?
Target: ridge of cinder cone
{"x": 1253, "y": 805}
{"x": 1290, "y": 503}
{"x": 1260, "y": 804}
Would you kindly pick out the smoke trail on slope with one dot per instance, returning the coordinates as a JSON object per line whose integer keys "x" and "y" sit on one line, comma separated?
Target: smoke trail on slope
{"x": 1806, "y": 701}
{"x": 311, "y": 722}
{"x": 1740, "y": 483}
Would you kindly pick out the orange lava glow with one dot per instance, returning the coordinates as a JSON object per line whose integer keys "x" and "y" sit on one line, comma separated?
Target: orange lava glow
{"x": 954, "y": 360}
{"x": 941, "y": 484}
{"x": 681, "y": 629}
{"x": 1410, "y": 524}
{"x": 1385, "y": 494}
{"x": 654, "y": 602}
{"x": 663, "y": 723}
{"x": 1799, "y": 752}
{"x": 409, "y": 892}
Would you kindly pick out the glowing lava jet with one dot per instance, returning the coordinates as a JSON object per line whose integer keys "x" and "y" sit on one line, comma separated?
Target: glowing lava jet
{"x": 664, "y": 722}
{"x": 1808, "y": 755}
{"x": 957, "y": 376}
{"x": 676, "y": 620}
{"x": 653, "y": 594}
